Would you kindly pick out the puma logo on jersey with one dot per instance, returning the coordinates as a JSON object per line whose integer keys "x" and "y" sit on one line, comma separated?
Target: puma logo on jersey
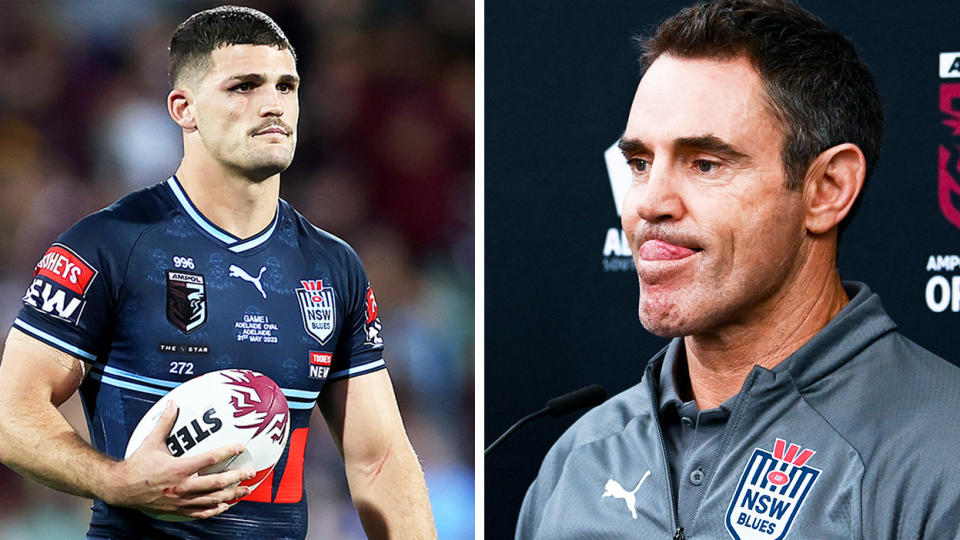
{"x": 236, "y": 271}
{"x": 615, "y": 490}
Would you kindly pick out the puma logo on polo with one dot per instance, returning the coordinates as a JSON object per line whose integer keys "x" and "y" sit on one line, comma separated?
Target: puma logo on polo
{"x": 615, "y": 490}
{"x": 236, "y": 271}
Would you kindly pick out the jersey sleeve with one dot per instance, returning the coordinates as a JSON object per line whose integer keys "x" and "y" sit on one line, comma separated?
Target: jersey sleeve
{"x": 360, "y": 349}
{"x": 69, "y": 303}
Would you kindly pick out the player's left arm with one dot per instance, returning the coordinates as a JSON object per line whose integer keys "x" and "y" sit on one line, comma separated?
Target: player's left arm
{"x": 383, "y": 472}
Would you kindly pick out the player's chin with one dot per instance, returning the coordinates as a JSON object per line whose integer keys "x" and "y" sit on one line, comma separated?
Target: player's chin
{"x": 269, "y": 165}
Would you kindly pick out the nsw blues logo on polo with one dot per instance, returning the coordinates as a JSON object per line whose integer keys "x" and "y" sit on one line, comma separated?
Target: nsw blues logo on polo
{"x": 770, "y": 493}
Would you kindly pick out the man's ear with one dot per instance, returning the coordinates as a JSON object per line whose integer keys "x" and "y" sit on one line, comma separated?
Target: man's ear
{"x": 180, "y": 107}
{"x": 834, "y": 180}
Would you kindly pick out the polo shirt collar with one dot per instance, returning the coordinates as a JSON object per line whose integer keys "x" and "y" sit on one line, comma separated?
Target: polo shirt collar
{"x": 857, "y": 325}
{"x": 673, "y": 367}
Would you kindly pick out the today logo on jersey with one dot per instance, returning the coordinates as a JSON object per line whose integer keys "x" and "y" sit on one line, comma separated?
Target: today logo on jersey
{"x": 318, "y": 308}
{"x": 771, "y": 490}
{"x": 320, "y": 364}
{"x": 60, "y": 282}
{"x": 186, "y": 300}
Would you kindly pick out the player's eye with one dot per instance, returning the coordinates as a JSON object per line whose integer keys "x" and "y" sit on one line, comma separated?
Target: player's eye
{"x": 242, "y": 87}
{"x": 705, "y": 166}
{"x": 285, "y": 88}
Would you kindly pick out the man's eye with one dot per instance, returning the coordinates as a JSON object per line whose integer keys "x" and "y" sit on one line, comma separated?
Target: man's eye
{"x": 242, "y": 87}
{"x": 705, "y": 166}
{"x": 638, "y": 165}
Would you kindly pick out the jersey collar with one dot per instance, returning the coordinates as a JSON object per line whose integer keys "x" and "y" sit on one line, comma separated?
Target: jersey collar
{"x": 234, "y": 244}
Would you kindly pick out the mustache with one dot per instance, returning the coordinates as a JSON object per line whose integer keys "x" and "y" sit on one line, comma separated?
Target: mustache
{"x": 272, "y": 123}
{"x": 666, "y": 233}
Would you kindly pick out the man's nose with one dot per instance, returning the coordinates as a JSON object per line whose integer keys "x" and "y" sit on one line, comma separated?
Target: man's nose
{"x": 658, "y": 198}
{"x": 272, "y": 104}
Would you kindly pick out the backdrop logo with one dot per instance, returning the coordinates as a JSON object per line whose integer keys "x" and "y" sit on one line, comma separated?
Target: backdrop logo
{"x": 616, "y": 249}
{"x": 949, "y": 65}
{"x": 942, "y": 293}
{"x": 948, "y": 185}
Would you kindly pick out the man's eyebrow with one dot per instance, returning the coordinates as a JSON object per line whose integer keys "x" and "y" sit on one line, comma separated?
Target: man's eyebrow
{"x": 711, "y": 144}
{"x": 248, "y": 77}
{"x": 633, "y": 146}
{"x": 260, "y": 78}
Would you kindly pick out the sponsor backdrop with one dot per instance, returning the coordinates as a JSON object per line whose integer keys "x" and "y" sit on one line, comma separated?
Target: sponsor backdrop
{"x": 561, "y": 291}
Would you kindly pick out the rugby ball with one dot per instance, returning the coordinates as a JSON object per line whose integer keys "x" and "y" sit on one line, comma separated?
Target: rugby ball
{"x": 223, "y": 407}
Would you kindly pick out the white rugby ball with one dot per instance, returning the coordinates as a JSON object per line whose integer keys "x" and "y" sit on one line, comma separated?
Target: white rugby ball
{"x": 219, "y": 408}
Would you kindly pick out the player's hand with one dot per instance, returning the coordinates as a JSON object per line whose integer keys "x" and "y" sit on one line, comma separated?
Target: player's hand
{"x": 152, "y": 479}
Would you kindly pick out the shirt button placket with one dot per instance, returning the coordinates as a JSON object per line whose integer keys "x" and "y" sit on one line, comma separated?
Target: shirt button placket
{"x": 696, "y": 477}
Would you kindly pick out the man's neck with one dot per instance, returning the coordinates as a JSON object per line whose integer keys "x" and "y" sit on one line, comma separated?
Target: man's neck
{"x": 719, "y": 362}
{"x": 234, "y": 203}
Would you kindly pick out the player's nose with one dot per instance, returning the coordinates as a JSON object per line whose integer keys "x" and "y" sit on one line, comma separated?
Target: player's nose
{"x": 272, "y": 104}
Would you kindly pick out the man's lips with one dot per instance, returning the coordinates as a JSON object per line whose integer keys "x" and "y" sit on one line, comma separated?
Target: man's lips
{"x": 659, "y": 250}
{"x": 272, "y": 130}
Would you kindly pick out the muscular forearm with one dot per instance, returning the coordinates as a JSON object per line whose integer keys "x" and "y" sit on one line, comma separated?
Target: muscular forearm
{"x": 39, "y": 443}
{"x": 391, "y": 496}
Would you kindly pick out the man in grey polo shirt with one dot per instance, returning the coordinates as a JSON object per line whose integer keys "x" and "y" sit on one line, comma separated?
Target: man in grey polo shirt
{"x": 787, "y": 402}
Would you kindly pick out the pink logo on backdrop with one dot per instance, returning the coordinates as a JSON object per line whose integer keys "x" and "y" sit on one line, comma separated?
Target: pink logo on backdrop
{"x": 948, "y": 186}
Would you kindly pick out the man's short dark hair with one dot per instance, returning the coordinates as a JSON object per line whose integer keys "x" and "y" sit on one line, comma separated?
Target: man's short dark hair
{"x": 817, "y": 86}
{"x": 206, "y": 31}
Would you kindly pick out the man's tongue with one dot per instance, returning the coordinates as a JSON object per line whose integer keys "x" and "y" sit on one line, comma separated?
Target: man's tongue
{"x": 658, "y": 250}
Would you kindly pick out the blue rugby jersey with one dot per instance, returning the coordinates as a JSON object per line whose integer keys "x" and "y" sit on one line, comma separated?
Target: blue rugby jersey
{"x": 153, "y": 294}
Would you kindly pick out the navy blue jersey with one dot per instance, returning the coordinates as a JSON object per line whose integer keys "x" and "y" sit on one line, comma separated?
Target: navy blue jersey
{"x": 151, "y": 294}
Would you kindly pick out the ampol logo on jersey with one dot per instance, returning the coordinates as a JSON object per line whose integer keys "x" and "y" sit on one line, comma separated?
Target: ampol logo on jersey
{"x": 186, "y": 300}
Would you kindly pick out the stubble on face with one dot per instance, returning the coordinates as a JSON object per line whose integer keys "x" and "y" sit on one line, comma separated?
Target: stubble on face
{"x": 239, "y": 104}
{"x": 732, "y": 236}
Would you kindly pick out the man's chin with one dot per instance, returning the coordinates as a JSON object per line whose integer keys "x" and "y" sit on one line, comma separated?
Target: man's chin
{"x": 666, "y": 323}
{"x": 658, "y": 328}
{"x": 267, "y": 169}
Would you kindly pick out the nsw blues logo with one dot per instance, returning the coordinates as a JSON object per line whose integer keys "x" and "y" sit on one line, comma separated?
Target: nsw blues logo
{"x": 770, "y": 493}
{"x": 318, "y": 307}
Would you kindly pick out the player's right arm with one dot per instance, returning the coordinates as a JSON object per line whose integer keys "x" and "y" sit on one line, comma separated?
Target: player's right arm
{"x": 38, "y": 442}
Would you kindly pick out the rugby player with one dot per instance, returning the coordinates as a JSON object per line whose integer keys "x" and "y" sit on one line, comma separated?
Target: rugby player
{"x": 787, "y": 403}
{"x": 208, "y": 269}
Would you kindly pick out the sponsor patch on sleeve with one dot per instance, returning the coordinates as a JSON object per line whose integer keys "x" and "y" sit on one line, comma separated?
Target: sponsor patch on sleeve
{"x": 320, "y": 364}
{"x": 372, "y": 326}
{"x": 60, "y": 283}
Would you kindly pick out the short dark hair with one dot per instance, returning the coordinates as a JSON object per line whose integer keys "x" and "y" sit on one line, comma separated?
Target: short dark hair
{"x": 206, "y": 31}
{"x": 817, "y": 86}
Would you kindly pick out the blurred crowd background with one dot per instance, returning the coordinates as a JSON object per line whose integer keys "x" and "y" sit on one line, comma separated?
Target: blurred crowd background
{"x": 385, "y": 161}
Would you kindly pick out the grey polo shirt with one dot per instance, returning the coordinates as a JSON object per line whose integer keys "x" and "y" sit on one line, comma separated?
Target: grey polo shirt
{"x": 691, "y": 436}
{"x": 848, "y": 438}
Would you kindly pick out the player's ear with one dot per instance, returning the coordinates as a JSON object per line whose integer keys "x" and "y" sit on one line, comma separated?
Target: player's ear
{"x": 180, "y": 107}
{"x": 834, "y": 180}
